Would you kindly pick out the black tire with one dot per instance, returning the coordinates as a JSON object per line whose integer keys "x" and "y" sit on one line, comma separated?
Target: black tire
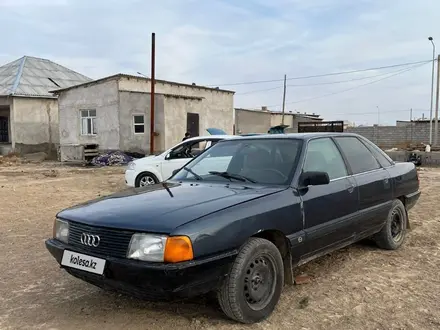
{"x": 145, "y": 176}
{"x": 393, "y": 233}
{"x": 253, "y": 288}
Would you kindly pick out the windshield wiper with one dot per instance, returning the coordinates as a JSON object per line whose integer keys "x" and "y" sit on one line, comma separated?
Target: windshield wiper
{"x": 232, "y": 176}
{"x": 198, "y": 177}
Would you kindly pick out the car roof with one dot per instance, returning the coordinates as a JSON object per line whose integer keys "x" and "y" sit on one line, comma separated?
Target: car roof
{"x": 300, "y": 136}
{"x": 209, "y": 137}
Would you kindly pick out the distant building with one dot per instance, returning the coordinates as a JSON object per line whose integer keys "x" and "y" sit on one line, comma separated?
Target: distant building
{"x": 114, "y": 114}
{"x": 348, "y": 124}
{"x": 28, "y": 112}
{"x": 260, "y": 120}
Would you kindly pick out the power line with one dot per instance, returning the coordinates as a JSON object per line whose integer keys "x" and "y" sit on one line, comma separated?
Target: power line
{"x": 368, "y": 113}
{"x": 320, "y": 75}
{"x": 318, "y": 84}
{"x": 375, "y": 112}
{"x": 358, "y": 86}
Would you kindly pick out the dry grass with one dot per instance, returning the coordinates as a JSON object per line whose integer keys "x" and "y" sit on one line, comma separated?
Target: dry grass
{"x": 360, "y": 287}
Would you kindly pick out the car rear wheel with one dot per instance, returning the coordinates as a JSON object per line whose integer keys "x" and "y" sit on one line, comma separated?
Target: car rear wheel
{"x": 146, "y": 179}
{"x": 253, "y": 288}
{"x": 393, "y": 233}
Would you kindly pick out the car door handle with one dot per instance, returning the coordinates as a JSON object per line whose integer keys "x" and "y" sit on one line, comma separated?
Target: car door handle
{"x": 350, "y": 188}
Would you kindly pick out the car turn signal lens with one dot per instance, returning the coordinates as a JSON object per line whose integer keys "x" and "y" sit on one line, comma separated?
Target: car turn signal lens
{"x": 178, "y": 249}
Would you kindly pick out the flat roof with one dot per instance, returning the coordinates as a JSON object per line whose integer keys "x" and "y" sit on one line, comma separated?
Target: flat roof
{"x": 123, "y": 75}
{"x": 290, "y": 113}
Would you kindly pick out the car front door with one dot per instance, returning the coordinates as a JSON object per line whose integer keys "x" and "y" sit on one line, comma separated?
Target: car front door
{"x": 182, "y": 154}
{"x": 330, "y": 210}
{"x": 176, "y": 158}
{"x": 374, "y": 182}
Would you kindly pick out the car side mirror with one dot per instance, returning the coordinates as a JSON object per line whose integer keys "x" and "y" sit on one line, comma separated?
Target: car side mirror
{"x": 314, "y": 179}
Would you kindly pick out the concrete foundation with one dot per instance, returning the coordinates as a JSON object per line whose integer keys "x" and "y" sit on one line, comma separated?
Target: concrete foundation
{"x": 50, "y": 149}
{"x": 428, "y": 158}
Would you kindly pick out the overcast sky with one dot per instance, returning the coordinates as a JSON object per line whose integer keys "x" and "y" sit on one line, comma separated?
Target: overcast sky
{"x": 219, "y": 42}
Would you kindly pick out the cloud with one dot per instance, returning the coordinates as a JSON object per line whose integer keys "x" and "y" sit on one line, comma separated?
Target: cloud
{"x": 225, "y": 41}
{"x": 25, "y": 3}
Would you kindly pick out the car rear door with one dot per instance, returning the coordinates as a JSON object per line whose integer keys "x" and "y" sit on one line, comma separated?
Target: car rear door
{"x": 329, "y": 210}
{"x": 373, "y": 180}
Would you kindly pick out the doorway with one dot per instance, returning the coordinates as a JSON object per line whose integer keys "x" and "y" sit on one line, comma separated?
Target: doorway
{"x": 192, "y": 124}
{"x": 4, "y": 129}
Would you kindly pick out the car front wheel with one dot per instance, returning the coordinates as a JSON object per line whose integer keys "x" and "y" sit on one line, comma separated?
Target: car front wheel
{"x": 146, "y": 179}
{"x": 253, "y": 288}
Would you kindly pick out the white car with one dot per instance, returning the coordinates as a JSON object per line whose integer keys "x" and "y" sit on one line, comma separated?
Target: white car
{"x": 153, "y": 169}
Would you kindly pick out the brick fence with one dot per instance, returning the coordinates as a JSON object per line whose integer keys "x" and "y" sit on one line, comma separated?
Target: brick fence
{"x": 395, "y": 136}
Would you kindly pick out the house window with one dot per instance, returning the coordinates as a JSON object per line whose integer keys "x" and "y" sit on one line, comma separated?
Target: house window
{"x": 88, "y": 122}
{"x": 139, "y": 124}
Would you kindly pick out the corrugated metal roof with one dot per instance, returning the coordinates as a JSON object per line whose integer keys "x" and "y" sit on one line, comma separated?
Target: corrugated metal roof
{"x": 32, "y": 76}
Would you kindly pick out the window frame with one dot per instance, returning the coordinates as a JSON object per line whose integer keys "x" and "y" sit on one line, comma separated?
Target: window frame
{"x": 138, "y": 124}
{"x": 93, "y": 120}
{"x": 344, "y": 160}
{"x": 375, "y": 149}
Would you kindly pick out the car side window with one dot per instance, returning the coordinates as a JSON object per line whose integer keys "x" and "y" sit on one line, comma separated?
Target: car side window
{"x": 381, "y": 156}
{"x": 358, "y": 156}
{"x": 182, "y": 151}
{"x": 323, "y": 156}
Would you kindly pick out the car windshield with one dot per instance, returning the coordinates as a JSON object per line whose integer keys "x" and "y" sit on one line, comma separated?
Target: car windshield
{"x": 262, "y": 161}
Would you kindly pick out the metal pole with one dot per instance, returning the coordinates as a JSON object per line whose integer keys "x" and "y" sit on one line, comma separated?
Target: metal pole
{"x": 152, "y": 82}
{"x": 284, "y": 100}
{"x": 432, "y": 89}
{"x": 411, "y": 123}
{"x": 378, "y": 115}
{"x": 378, "y": 122}
{"x": 436, "y": 103}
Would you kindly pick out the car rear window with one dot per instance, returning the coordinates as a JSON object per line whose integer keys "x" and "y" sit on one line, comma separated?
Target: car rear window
{"x": 381, "y": 156}
{"x": 358, "y": 156}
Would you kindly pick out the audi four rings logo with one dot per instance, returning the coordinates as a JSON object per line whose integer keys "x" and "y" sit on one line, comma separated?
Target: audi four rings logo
{"x": 90, "y": 240}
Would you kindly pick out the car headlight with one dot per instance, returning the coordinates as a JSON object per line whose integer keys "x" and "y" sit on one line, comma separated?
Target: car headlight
{"x": 160, "y": 248}
{"x": 61, "y": 230}
{"x": 131, "y": 166}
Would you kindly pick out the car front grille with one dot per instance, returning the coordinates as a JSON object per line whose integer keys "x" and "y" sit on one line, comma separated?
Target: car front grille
{"x": 113, "y": 242}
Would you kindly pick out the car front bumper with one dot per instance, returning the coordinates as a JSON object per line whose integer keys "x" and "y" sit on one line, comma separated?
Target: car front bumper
{"x": 152, "y": 281}
{"x": 130, "y": 177}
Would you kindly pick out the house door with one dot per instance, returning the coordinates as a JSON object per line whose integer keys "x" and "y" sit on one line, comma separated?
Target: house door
{"x": 4, "y": 129}
{"x": 192, "y": 124}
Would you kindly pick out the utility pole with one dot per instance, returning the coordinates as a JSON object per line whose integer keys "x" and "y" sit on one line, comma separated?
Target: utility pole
{"x": 432, "y": 90}
{"x": 152, "y": 82}
{"x": 436, "y": 103}
{"x": 284, "y": 100}
{"x": 378, "y": 122}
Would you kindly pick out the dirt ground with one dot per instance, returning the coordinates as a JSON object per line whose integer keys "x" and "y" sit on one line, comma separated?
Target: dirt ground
{"x": 360, "y": 287}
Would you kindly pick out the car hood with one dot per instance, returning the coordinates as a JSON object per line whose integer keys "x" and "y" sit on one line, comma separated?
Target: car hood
{"x": 147, "y": 159}
{"x": 163, "y": 207}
